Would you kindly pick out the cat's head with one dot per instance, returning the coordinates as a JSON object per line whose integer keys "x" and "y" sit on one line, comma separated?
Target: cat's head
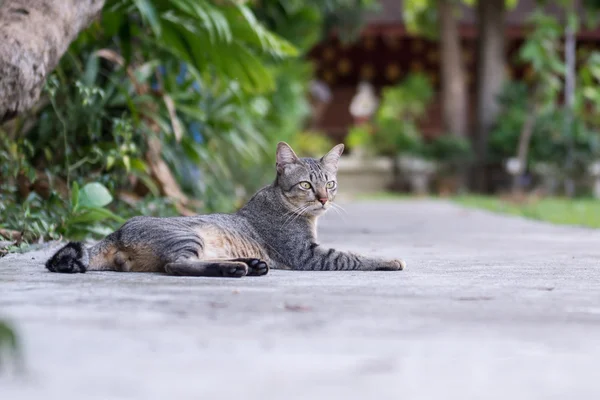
{"x": 308, "y": 185}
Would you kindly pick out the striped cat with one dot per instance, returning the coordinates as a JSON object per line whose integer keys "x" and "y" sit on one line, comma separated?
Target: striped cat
{"x": 275, "y": 229}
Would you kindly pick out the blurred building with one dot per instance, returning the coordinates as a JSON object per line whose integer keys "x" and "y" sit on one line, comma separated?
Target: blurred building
{"x": 385, "y": 53}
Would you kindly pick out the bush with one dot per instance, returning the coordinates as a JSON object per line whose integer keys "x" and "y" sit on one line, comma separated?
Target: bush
{"x": 549, "y": 141}
{"x": 450, "y": 150}
{"x": 311, "y": 144}
{"x": 396, "y": 120}
{"x": 160, "y": 102}
{"x": 360, "y": 137}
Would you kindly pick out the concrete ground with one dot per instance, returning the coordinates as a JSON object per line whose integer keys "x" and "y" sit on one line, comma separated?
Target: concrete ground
{"x": 490, "y": 307}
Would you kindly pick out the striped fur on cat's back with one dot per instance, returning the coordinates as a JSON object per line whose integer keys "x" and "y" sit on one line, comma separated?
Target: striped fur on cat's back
{"x": 275, "y": 229}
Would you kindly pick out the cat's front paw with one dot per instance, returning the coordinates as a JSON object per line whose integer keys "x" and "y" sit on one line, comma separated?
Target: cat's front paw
{"x": 256, "y": 266}
{"x": 393, "y": 265}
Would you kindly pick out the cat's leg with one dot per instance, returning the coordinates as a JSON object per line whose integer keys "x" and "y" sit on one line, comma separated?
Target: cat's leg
{"x": 256, "y": 266}
{"x": 208, "y": 268}
{"x": 313, "y": 257}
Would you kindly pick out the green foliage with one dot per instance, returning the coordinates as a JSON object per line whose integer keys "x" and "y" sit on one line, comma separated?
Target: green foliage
{"x": 239, "y": 132}
{"x": 408, "y": 99}
{"x": 9, "y": 343}
{"x": 504, "y": 138}
{"x": 582, "y": 212}
{"x": 79, "y": 129}
{"x": 87, "y": 209}
{"x": 304, "y": 22}
{"x": 549, "y": 141}
{"x": 359, "y": 136}
{"x": 215, "y": 84}
{"x": 542, "y": 52}
{"x": 450, "y": 150}
{"x": 555, "y": 133}
{"x": 311, "y": 144}
{"x": 396, "y": 120}
{"x": 225, "y": 39}
{"x": 587, "y": 99}
{"x": 421, "y": 16}
{"x": 84, "y": 215}
{"x": 346, "y": 16}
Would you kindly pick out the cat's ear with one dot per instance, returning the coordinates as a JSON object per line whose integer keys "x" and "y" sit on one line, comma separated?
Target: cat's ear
{"x": 285, "y": 156}
{"x": 330, "y": 160}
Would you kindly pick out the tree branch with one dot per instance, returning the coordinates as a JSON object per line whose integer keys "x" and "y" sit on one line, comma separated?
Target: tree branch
{"x": 34, "y": 34}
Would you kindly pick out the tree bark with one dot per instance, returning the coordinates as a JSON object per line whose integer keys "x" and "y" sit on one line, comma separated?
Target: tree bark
{"x": 454, "y": 93}
{"x": 490, "y": 75}
{"x": 523, "y": 148}
{"x": 570, "y": 74}
{"x": 34, "y": 34}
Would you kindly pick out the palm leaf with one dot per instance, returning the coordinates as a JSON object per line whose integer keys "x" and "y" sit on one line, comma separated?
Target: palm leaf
{"x": 226, "y": 39}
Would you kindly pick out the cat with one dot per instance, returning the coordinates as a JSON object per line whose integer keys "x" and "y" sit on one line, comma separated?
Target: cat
{"x": 277, "y": 228}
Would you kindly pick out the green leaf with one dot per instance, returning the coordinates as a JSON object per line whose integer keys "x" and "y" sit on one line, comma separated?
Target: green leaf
{"x": 96, "y": 214}
{"x": 9, "y": 340}
{"x": 125, "y": 36}
{"x": 139, "y": 165}
{"x": 111, "y": 22}
{"x": 144, "y": 72}
{"x": 91, "y": 70}
{"x": 98, "y": 230}
{"x": 74, "y": 196}
{"x": 94, "y": 195}
{"x": 110, "y": 161}
{"x": 148, "y": 12}
{"x": 148, "y": 182}
{"x": 255, "y": 33}
{"x": 127, "y": 163}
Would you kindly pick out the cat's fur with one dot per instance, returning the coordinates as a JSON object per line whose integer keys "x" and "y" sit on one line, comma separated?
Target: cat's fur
{"x": 276, "y": 228}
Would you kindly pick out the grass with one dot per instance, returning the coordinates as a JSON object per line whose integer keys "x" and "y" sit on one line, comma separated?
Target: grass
{"x": 556, "y": 210}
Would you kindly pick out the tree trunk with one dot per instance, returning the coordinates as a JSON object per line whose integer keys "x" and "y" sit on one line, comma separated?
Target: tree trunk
{"x": 454, "y": 93}
{"x": 34, "y": 34}
{"x": 454, "y": 90}
{"x": 570, "y": 60}
{"x": 490, "y": 75}
{"x": 523, "y": 149}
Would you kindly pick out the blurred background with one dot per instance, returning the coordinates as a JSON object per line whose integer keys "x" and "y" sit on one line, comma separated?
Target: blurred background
{"x": 175, "y": 107}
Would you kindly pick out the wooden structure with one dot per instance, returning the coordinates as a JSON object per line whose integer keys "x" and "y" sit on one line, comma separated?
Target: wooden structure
{"x": 385, "y": 53}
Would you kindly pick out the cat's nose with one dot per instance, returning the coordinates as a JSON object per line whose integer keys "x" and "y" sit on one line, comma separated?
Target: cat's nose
{"x": 323, "y": 200}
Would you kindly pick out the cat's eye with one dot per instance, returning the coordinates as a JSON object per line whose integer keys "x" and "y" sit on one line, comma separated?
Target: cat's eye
{"x": 305, "y": 185}
{"x": 330, "y": 185}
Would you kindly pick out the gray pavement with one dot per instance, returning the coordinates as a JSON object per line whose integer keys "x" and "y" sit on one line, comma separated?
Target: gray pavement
{"x": 490, "y": 307}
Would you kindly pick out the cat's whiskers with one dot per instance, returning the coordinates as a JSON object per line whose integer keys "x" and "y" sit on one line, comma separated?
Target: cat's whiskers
{"x": 300, "y": 213}
{"x": 337, "y": 206}
{"x": 294, "y": 214}
{"x": 338, "y": 210}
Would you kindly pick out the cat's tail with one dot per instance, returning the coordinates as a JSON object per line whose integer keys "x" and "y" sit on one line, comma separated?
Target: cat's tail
{"x": 70, "y": 259}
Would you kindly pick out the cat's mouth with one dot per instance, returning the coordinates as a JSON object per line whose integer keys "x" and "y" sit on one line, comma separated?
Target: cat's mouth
{"x": 320, "y": 207}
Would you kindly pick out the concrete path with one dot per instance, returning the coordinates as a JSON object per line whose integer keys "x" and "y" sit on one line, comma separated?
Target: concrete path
{"x": 490, "y": 307}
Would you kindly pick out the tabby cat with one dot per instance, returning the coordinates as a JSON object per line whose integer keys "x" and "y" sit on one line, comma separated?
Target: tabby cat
{"x": 277, "y": 228}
